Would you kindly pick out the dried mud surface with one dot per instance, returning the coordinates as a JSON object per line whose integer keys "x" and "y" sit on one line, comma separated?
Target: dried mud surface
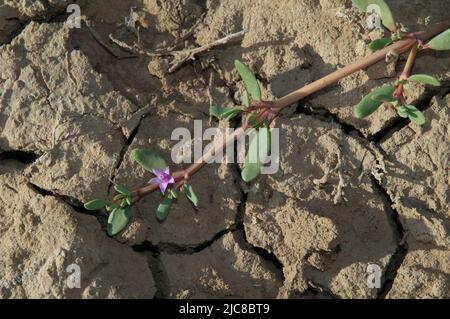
{"x": 349, "y": 192}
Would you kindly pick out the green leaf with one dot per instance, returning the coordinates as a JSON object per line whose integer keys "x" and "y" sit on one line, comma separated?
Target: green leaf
{"x": 173, "y": 193}
{"x": 250, "y": 81}
{"x": 225, "y": 113}
{"x": 425, "y": 79}
{"x": 368, "y": 105}
{"x": 385, "y": 12}
{"x": 382, "y": 97}
{"x": 110, "y": 207}
{"x": 95, "y": 204}
{"x": 397, "y": 103}
{"x": 379, "y": 44}
{"x": 411, "y": 112}
{"x": 245, "y": 99}
{"x": 250, "y": 171}
{"x": 190, "y": 194}
{"x": 256, "y": 151}
{"x": 441, "y": 41}
{"x": 119, "y": 197}
{"x": 118, "y": 220}
{"x": 122, "y": 190}
{"x": 417, "y": 117}
{"x": 128, "y": 201}
{"x": 164, "y": 208}
{"x": 149, "y": 160}
{"x": 402, "y": 112}
{"x": 254, "y": 122}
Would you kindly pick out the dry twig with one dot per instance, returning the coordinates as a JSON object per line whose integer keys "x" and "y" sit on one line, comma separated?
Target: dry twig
{"x": 99, "y": 40}
{"x": 179, "y": 56}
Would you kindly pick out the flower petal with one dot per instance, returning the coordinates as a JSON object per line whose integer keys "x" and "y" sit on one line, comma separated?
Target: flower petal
{"x": 171, "y": 180}
{"x": 158, "y": 173}
{"x": 154, "y": 180}
{"x": 163, "y": 187}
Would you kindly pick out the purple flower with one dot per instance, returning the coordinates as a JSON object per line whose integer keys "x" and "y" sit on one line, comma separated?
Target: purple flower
{"x": 163, "y": 178}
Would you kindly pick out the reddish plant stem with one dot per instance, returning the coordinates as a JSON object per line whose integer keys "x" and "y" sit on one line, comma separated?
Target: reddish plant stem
{"x": 405, "y": 74}
{"x": 399, "y": 47}
{"x": 182, "y": 176}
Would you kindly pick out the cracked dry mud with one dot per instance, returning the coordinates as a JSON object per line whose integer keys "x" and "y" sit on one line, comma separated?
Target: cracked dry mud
{"x": 349, "y": 192}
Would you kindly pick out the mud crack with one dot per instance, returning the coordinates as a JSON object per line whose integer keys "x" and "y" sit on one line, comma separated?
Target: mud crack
{"x": 326, "y": 115}
{"x": 399, "y": 123}
{"x": 153, "y": 252}
{"x": 127, "y": 142}
{"x": 446, "y": 93}
{"x": 58, "y": 16}
{"x": 74, "y": 203}
{"x": 24, "y": 157}
{"x": 9, "y": 39}
{"x": 261, "y": 252}
{"x": 318, "y": 292}
{"x": 161, "y": 281}
{"x": 402, "y": 248}
{"x": 172, "y": 249}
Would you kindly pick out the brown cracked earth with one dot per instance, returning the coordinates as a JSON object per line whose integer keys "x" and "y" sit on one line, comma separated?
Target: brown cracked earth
{"x": 349, "y": 192}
